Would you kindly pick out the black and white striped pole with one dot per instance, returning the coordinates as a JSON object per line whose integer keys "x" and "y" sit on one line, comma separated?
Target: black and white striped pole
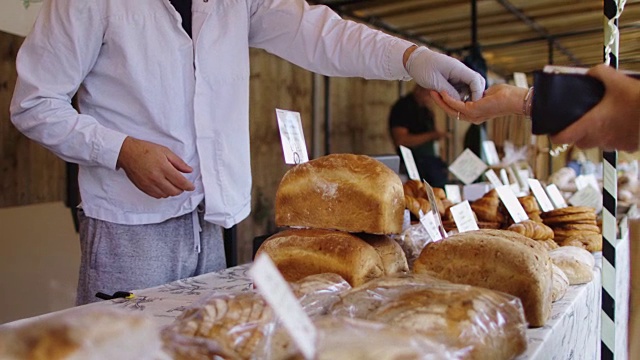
{"x": 609, "y": 350}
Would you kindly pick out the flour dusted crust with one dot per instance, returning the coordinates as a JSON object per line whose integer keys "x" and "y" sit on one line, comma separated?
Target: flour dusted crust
{"x": 302, "y": 252}
{"x": 575, "y": 262}
{"x": 352, "y": 193}
{"x": 498, "y": 260}
{"x": 560, "y": 283}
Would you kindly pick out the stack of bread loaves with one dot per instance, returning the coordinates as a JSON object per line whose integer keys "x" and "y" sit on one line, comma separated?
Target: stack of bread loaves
{"x": 575, "y": 226}
{"x": 340, "y": 208}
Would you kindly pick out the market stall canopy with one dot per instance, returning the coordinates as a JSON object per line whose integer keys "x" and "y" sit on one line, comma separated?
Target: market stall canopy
{"x": 515, "y": 35}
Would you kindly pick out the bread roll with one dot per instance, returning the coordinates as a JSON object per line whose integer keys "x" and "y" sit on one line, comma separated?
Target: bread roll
{"x": 352, "y": 193}
{"x": 302, "y": 252}
{"x": 498, "y": 260}
{"x": 394, "y": 260}
{"x": 533, "y": 230}
{"x": 529, "y": 203}
{"x": 560, "y": 284}
{"x": 576, "y": 263}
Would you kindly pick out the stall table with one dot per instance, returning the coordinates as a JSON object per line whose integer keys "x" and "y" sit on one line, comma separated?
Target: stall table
{"x": 572, "y": 332}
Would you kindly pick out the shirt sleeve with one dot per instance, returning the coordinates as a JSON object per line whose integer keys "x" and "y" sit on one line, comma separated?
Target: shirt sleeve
{"x": 52, "y": 63}
{"x": 317, "y": 39}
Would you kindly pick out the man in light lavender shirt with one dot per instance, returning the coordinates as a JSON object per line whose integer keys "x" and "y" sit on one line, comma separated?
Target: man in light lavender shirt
{"x": 162, "y": 132}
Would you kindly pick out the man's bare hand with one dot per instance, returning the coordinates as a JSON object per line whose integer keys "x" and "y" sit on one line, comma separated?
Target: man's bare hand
{"x": 153, "y": 168}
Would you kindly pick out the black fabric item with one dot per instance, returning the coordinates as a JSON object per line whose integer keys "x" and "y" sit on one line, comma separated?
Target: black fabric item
{"x": 184, "y": 9}
{"x": 407, "y": 113}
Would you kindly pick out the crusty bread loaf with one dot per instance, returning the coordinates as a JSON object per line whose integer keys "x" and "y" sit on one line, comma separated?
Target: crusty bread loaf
{"x": 346, "y": 192}
{"x": 302, "y": 252}
{"x": 393, "y": 257}
{"x": 498, "y": 260}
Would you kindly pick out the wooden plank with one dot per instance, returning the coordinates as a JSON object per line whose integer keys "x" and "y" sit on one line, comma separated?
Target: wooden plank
{"x": 30, "y": 173}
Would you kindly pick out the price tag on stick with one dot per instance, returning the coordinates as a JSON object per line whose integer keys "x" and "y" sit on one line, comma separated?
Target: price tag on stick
{"x": 493, "y": 178}
{"x": 409, "y": 163}
{"x": 453, "y": 193}
{"x": 434, "y": 209}
{"x": 556, "y": 197}
{"x": 292, "y": 137}
{"x": 510, "y": 201}
{"x": 468, "y": 167}
{"x": 430, "y": 224}
{"x": 540, "y": 195}
{"x": 275, "y": 290}
{"x": 463, "y": 217}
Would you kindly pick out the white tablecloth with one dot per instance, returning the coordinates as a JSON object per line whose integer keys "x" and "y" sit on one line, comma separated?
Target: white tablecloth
{"x": 573, "y": 332}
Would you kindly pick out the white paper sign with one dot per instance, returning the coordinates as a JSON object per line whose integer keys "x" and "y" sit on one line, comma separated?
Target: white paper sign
{"x": 587, "y": 197}
{"x": 463, "y": 217}
{"x": 583, "y": 181}
{"x": 493, "y": 178}
{"x": 490, "y": 152}
{"x": 512, "y": 204}
{"x": 540, "y": 195}
{"x": 523, "y": 176}
{"x": 292, "y": 137}
{"x": 468, "y": 167}
{"x": 429, "y": 222}
{"x": 504, "y": 176}
{"x": 453, "y": 193}
{"x": 275, "y": 290}
{"x": 556, "y": 196}
{"x": 520, "y": 79}
{"x": 409, "y": 163}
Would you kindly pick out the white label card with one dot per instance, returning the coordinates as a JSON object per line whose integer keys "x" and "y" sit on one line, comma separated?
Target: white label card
{"x": 582, "y": 181}
{"x": 409, "y": 163}
{"x": 556, "y": 196}
{"x": 453, "y": 193}
{"x": 275, "y": 290}
{"x": 587, "y": 197}
{"x": 523, "y": 176}
{"x": 504, "y": 176}
{"x": 429, "y": 222}
{"x": 292, "y": 137}
{"x": 490, "y": 152}
{"x": 493, "y": 178}
{"x": 512, "y": 204}
{"x": 463, "y": 217}
{"x": 540, "y": 195}
{"x": 520, "y": 79}
{"x": 468, "y": 167}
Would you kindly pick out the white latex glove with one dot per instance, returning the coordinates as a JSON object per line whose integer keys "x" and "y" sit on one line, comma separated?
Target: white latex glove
{"x": 440, "y": 72}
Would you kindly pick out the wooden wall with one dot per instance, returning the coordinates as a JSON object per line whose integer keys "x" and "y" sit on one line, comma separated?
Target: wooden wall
{"x": 29, "y": 173}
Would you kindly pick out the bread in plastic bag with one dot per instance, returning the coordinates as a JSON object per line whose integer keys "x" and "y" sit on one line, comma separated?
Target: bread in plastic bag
{"x": 84, "y": 334}
{"x": 233, "y": 326}
{"x": 470, "y": 322}
{"x": 412, "y": 241}
{"x": 341, "y": 338}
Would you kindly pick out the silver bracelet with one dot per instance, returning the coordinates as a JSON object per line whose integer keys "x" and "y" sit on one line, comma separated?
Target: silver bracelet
{"x": 526, "y": 104}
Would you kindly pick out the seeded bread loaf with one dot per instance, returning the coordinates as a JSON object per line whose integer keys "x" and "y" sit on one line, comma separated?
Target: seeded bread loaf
{"x": 499, "y": 260}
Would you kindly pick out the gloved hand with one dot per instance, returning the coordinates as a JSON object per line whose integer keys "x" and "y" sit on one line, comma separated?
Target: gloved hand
{"x": 440, "y": 72}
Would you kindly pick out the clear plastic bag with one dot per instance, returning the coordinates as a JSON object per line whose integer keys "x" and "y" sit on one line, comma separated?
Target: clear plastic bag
{"x": 341, "y": 338}
{"x": 234, "y": 326}
{"x": 470, "y": 322}
{"x": 412, "y": 241}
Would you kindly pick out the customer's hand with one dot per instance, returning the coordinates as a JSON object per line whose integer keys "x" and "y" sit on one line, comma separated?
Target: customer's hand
{"x": 614, "y": 123}
{"x": 440, "y": 72}
{"x": 153, "y": 168}
{"x": 498, "y": 100}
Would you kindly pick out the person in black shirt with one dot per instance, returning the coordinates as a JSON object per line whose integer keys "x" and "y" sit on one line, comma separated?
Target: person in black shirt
{"x": 411, "y": 124}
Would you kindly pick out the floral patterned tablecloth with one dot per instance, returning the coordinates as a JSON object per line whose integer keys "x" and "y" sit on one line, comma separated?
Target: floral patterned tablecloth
{"x": 573, "y": 332}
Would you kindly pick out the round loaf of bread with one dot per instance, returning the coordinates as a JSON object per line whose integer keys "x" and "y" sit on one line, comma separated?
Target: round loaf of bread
{"x": 346, "y": 192}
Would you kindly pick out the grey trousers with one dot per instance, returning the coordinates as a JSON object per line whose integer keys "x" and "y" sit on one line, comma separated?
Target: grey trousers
{"x": 117, "y": 257}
